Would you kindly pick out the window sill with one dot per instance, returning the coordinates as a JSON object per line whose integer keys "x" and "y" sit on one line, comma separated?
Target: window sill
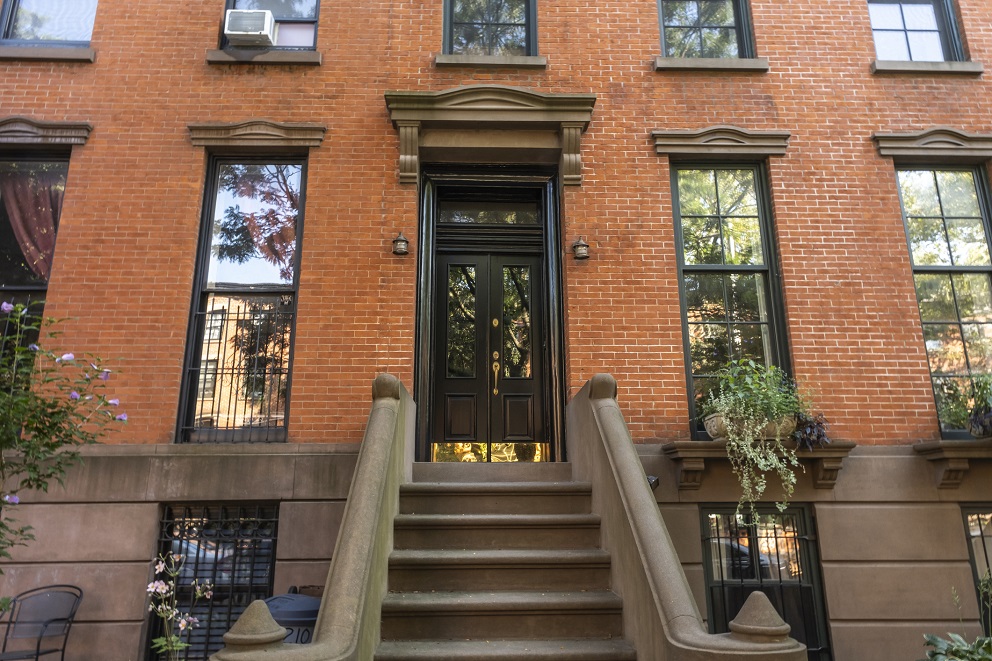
{"x": 262, "y": 56}
{"x": 923, "y": 68}
{"x": 756, "y": 64}
{"x": 950, "y": 459}
{"x": 690, "y": 459}
{"x": 48, "y": 53}
{"x": 492, "y": 61}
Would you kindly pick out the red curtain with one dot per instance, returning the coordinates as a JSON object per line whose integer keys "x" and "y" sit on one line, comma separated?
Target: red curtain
{"x": 33, "y": 197}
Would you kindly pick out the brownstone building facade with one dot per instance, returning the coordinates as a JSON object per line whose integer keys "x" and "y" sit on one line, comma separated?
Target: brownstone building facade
{"x": 804, "y": 183}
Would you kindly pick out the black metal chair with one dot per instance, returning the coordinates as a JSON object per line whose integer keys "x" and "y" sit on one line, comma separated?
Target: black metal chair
{"x": 38, "y": 622}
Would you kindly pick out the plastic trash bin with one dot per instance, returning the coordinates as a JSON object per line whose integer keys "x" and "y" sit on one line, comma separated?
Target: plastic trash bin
{"x": 296, "y": 612}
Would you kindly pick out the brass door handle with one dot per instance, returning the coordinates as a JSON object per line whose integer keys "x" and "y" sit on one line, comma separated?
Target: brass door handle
{"x": 495, "y": 377}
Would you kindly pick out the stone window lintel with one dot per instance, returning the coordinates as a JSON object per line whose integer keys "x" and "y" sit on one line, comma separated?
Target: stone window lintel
{"x": 721, "y": 140}
{"x": 26, "y": 131}
{"x": 936, "y": 145}
{"x": 257, "y": 133}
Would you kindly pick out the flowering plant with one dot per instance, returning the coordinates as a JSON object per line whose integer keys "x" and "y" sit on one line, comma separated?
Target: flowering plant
{"x": 175, "y": 623}
{"x": 50, "y": 405}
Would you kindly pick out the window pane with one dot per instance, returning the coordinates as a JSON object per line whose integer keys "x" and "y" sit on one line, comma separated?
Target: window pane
{"x": 701, "y": 241}
{"x": 704, "y": 297}
{"x": 736, "y": 190}
{"x": 716, "y": 13}
{"x": 891, "y": 46}
{"x": 945, "y": 348}
{"x": 919, "y": 16}
{"x": 468, "y": 40}
{"x": 925, "y": 47}
{"x": 918, "y": 190}
{"x": 978, "y": 339}
{"x": 974, "y": 296}
{"x": 508, "y": 11}
{"x": 719, "y": 42}
{"x": 295, "y": 35}
{"x": 53, "y": 20}
{"x": 708, "y": 347}
{"x": 682, "y": 42}
{"x": 31, "y": 194}
{"x": 958, "y": 195}
{"x": 885, "y": 16}
{"x": 928, "y": 242}
{"x": 933, "y": 293}
{"x": 461, "y": 321}
{"x": 253, "y": 237}
{"x": 489, "y": 27}
{"x": 282, "y": 9}
{"x": 680, "y": 13}
{"x": 508, "y": 40}
{"x": 488, "y": 212}
{"x": 969, "y": 247}
{"x": 517, "y": 336}
{"x": 952, "y": 395}
{"x": 742, "y": 241}
{"x": 697, "y": 192}
{"x": 751, "y": 341}
{"x": 747, "y": 297}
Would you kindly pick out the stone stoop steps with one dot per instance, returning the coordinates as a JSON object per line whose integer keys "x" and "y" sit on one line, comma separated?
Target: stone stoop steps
{"x": 499, "y": 562}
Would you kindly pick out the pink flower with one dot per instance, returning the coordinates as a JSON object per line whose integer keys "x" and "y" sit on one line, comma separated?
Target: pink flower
{"x": 157, "y": 587}
{"x": 6, "y": 307}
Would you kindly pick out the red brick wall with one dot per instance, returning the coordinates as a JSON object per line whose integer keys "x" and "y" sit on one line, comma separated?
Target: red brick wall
{"x": 127, "y": 243}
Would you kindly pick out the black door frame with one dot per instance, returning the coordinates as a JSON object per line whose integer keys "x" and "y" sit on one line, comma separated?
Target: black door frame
{"x": 553, "y": 332}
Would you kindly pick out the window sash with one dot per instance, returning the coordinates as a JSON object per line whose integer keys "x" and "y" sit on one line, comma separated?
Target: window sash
{"x": 911, "y": 39}
{"x": 529, "y": 26}
{"x": 744, "y": 333}
{"x": 75, "y": 14}
{"x": 697, "y": 24}
{"x": 955, "y": 343}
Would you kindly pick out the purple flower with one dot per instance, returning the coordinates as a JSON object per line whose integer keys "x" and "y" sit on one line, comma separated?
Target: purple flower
{"x": 104, "y": 375}
{"x": 34, "y": 347}
{"x": 74, "y": 395}
{"x": 114, "y": 402}
{"x": 122, "y": 417}
{"x": 68, "y": 356}
{"x": 6, "y": 307}
{"x": 11, "y": 499}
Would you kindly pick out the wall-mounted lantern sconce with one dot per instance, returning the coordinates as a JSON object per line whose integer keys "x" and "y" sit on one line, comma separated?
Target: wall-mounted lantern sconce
{"x": 401, "y": 245}
{"x": 580, "y": 249}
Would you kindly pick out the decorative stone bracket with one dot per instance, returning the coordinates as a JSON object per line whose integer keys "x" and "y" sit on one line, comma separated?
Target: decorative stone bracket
{"x": 490, "y": 124}
{"x": 690, "y": 460}
{"x": 951, "y": 459}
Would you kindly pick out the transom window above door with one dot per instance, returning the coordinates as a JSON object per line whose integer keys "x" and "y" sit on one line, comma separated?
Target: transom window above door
{"x": 490, "y": 27}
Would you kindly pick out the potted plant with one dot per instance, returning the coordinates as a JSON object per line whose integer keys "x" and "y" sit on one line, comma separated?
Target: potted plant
{"x": 980, "y": 417}
{"x": 755, "y": 407}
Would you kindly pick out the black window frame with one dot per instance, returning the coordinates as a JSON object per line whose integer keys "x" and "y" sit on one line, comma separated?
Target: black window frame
{"x": 191, "y": 413}
{"x": 773, "y": 290}
{"x": 33, "y": 293}
{"x": 7, "y": 14}
{"x": 179, "y": 533}
{"x": 982, "y": 189}
{"x": 980, "y": 566}
{"x": 230, "y": 4}
{"x": 950, "y": 38}
{"x": 742, "y": 24}
{"x": 531, "y": 29}
{"x": 810, "y": 600}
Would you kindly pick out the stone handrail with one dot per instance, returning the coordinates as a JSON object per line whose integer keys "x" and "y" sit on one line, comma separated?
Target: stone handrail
{"x": 347, "y": 627}
{"x": 663, "y": 622}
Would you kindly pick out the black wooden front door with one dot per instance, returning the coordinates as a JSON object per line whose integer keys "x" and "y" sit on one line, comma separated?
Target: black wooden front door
{"x": 488, "y": 396}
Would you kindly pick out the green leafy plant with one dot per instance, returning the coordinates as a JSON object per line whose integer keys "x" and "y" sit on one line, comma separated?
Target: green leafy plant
{"x": 955, "y": 647}
{"x": 176, "y": 625}
{"x": 51, "y": 404}
{"x": 757, "y": 401}
{"x": 980, "y": 416}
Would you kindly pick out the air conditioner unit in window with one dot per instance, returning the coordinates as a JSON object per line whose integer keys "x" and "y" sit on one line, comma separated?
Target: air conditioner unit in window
{"x": 250, "y": 27}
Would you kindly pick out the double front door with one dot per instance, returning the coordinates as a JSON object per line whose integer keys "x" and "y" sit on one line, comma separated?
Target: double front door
{"x": 489, "y": 338}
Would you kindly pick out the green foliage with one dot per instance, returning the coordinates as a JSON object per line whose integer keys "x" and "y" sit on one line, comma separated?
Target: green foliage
{"x": 164, "y": 604}
{"x": 50, "y": 406}
{"x": 980, "y": 417}
{"x": 751, "y": 398}
{"x": 957, "y": 649}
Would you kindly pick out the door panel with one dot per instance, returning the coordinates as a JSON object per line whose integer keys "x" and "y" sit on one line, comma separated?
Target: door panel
{"x": 488, "y": 378}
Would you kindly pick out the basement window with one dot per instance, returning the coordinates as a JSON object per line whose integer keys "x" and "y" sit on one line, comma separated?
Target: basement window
{"x": 978, "y": 522}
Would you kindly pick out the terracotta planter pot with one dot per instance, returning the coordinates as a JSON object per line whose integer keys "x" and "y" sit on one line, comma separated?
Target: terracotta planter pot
{"x": 717, "y": 428}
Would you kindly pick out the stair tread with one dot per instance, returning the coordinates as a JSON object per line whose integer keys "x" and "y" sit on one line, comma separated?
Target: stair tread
{"x": 490, "y": 557}
{"x": 551, "y": 520}
{"x": 499, "y": 600}
{"x": 496, "y": 487}
{"x": 507, "y": 650}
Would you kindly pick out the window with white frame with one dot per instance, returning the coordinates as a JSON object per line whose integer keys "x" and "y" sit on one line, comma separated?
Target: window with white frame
{"x": 47, "y": 22}
{"x": 914, "y": 30}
